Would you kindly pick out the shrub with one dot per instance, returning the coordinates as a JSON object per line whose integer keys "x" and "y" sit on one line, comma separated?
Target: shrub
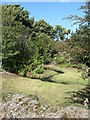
{"x": 79, "y": 66}
{"x": 68, "y": 64}
{"x": 84, "y": 74}
{"x": 60, "y": 59}
{"x": 32, "y": 66}
{"x": 22, "y": 72}
{"x": 38, "y": 70}
{"x": 33, "y": 96}
{"x": 28, "y": 74}
{"x": 47, "y": 59}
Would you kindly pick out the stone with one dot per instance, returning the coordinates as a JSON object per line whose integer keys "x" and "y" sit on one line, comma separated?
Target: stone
{"x": 20, "y": 106}
{"x": 42, "y": 115}
{"x": 44, "y": 108}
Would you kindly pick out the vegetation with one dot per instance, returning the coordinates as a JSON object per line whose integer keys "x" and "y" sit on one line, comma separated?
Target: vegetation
{"x": 27, "y": 43}
{"x": 51, "y": 93}
{"x": 79, "y": 42}
{"x": 29, "y": 48}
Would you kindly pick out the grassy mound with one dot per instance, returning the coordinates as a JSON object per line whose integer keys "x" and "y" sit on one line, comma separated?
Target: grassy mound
{"x": 51, "y": 93}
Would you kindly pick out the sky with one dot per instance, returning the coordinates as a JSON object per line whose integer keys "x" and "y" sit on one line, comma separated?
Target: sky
{"x": 52, "y": 12}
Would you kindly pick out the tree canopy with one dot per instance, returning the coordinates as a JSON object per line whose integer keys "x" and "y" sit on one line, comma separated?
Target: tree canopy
{"x": 27, "y": 43}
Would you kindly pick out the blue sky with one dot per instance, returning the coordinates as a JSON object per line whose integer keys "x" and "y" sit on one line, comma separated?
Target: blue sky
{"x": 53, "y": 12}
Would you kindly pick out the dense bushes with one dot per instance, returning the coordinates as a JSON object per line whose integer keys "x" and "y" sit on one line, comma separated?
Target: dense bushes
{"x": 41, "y": 50}
{"x": 15, "y": 32}
{"x": 27, "y": 44}
{"x": 24, "y": 47}
{"x": 39, "y": 70}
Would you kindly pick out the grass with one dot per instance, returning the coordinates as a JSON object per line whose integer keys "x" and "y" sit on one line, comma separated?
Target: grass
{"x": 70, "y": 76}
{"x": 49, "y": 93}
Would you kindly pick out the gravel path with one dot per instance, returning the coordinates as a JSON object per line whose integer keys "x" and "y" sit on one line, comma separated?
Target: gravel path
{"x": 19, "y": 106}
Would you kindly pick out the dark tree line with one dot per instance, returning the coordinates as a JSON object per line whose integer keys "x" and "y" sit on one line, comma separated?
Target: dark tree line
{"x": 27, "y": 43}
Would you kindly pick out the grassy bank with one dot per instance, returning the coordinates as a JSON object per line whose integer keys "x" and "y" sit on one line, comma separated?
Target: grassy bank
{"x": 56, "y": 93}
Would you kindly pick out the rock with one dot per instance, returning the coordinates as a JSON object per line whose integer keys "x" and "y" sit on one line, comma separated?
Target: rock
{"x": 42, "y": 115}
{"x": 20, "y": 106}
{"x": 44, "y": 108}
{"x": 35, "y": 108}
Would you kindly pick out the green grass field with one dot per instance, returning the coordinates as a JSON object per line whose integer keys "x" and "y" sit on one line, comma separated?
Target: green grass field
{"x": 50, "y": 93}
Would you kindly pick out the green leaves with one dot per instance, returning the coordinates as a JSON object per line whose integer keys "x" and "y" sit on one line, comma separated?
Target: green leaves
{"x": 61, "y": 32}
{"x": 15, "y": 32}
{"x": 43, "y": 27}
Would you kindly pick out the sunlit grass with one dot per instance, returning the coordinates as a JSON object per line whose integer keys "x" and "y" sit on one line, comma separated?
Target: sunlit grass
{"x": 48, "y": 92}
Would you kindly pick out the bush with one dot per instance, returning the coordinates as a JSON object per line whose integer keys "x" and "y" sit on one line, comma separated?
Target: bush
{"x": 22, "y": 72}
{"x": 79, "y": 66}
{"x": 47, "y": 59}
{"x": 28, "y": 74}
{"x": 33, "y": 96}
{"x": 68, "y": 64}
{"x": 32, "y": 66}
{"x": 84, "y": 74}
{"x": 60, "y": 59}
{"x": 38, "y": 70}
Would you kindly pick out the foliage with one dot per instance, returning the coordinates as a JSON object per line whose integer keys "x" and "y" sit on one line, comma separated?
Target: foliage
{"x": 84, "y": 74}
{"x": 27, "y": 43}
{"x": 60, "y": 59}
{"x": 61, "y": 32}
{"x": 43, "y": 27}
{"x": 33, "y": 96}
{"x": 39, "y": 70}
{"x": 41, "y": 49}
{"x": 22, "y": 72}
{"x": 15, "y": 33}
{"x": 78, "y": 46}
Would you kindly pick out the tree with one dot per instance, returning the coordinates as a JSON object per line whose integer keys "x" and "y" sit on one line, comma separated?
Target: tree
{"x": 67, "y": 32}
{"x": 15, "y": 33}
{"x": 80, "y": 39}
{"x": 59, "y": 31}
{"x": 41, "y": 49}
{"x": 43, "y": 27}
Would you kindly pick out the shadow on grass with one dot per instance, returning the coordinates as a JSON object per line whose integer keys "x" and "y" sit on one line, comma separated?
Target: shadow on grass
{"x": 80, "y": 96}
{"x": 56, "y": 70}
{"x": 49, "y": 79}
{"x": 45, "y": 79}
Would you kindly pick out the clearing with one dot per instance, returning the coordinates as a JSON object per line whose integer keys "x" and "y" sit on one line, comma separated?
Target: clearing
{"x": 63, "y": 91}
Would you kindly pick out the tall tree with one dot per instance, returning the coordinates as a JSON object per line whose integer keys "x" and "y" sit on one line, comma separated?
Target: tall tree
{"x": 42, "y": 26}
{"x": 61, "y": 32}
{"x": 15, "y": 33}
{"x": 81, "y": 37}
